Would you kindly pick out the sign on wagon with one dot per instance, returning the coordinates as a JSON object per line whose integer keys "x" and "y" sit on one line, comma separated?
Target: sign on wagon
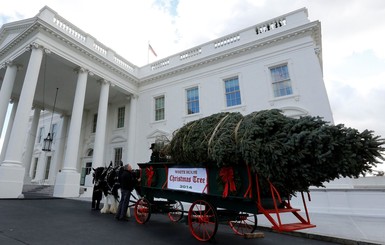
{"x": 187, "y": 179}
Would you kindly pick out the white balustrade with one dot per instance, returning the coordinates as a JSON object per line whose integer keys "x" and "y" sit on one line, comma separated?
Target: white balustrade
{"x": 254, "y": 33}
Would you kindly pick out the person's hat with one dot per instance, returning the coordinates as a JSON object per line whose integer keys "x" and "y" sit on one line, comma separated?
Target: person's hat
{"x": 152, "y": 146}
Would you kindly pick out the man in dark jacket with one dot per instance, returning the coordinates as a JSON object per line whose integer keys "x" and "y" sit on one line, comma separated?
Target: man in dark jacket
{"x": 126, "y": 186}
{"x": 96, "y": 196}
{"x": 155, "y": 153}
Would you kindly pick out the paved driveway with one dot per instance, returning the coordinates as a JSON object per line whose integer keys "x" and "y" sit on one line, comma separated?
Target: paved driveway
{"x": 66, "y": 221}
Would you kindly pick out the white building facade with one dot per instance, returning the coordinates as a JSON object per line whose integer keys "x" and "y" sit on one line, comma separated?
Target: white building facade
{"x": 109, "y": 110}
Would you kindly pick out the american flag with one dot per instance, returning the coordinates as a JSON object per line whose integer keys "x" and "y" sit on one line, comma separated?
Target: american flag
{"x": 152, "y": 50}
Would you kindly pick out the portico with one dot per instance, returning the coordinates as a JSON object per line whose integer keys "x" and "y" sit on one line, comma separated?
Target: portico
{"x": 39, "y": 61}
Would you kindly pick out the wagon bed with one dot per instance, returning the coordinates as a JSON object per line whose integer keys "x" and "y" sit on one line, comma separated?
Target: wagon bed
{"x": 230, "y": 194}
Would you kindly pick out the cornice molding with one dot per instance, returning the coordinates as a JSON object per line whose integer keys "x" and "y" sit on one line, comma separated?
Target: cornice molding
{"x": 87, "y": 52}
{"x": 38, "y": 25}
{"x": 17, "y": 40}
{"x": 260, "y": 43}
{"x": 237, "y": 50}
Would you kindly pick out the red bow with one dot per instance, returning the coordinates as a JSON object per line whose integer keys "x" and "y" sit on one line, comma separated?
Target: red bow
{"x": 149, "y": 175}
{"x": 227, "y": 175}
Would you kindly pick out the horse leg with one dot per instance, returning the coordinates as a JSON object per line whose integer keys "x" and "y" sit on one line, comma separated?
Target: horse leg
{"x": 114, "y": 205}
{"x": 105, "y": 208}
{"x": 128, "y": 214}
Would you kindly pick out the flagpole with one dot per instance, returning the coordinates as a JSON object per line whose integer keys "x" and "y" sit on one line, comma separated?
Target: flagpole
{"x": 148, "y": 52}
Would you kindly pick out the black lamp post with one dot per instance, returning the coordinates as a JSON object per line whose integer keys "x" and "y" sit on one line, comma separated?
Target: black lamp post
{"x": 48, "y": 141}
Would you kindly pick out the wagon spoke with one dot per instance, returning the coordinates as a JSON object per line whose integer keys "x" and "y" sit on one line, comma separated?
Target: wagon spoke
{"x": 244, "y": 223}
{"x": 203, "y": 221}
{"x": 176, "y": 212}
{"x": 142, "y": 211}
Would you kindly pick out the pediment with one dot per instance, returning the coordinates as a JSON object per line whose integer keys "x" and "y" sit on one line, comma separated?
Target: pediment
{"x": 294, "y": 112}
{"x": 11, "y": 31}
{"x": 157, "y": 134}
{"x": 118, "y": 139}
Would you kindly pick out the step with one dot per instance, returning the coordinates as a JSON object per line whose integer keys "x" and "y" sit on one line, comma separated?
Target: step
{"x": 282, "y": 210}
{"x": 36, "y": 191}
{"x": 293, "y": 227}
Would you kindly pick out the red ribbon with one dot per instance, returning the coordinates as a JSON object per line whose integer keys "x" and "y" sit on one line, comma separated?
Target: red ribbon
{"x": 227, "y": 175}
{"x": 149, "y": 175}
{"x": 248, "y": 193}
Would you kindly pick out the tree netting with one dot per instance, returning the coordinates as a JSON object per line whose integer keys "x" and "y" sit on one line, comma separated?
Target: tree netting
{"x": 293, "y": 154}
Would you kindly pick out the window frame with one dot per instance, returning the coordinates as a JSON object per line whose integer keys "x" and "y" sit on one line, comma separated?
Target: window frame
{"x": 275, "y": 90}
{"x": 187, "y": 102}
{"x": 34, "y": 169}
{"x": 39, "y": 138}
{"x": 228, "y": 79}
{"x": 159, "y": 110}
{"x": 121, "y": 117}
{"x": 118, "y": 156}
{"x": 47, "y": 167}
{"x": 94, "y": 123}
{"x": 54, "y": 130}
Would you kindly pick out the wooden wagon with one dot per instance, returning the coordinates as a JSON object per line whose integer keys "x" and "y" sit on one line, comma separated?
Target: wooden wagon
{"x": 229, "y": 195}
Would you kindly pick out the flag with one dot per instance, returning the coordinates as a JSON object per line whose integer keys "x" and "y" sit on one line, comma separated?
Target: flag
{"x": 152, "y": 50}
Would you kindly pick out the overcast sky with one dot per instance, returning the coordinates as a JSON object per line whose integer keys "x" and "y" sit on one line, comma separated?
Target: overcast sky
{"x": 352, "y": 38}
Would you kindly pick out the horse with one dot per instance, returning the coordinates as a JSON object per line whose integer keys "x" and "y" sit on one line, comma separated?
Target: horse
{"x": 106, "y": 179}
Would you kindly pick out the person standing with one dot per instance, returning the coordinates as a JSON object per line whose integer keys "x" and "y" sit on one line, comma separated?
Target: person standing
{"x": 96, "y": 193}
{"x": 126, "y": 186}
{"x": 155, "y": 153}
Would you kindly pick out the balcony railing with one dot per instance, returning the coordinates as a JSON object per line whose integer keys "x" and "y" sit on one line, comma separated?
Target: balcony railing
{"x": 259, "y": 31}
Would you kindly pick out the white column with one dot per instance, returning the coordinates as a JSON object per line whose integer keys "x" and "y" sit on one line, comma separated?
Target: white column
{"x": 100, "y": 134}
{"x": 8, "y": 132}
{"x": 62, "y": 136}
{"x": 11, "y": 170}
{"x": 68, "y": 180}
{"x": 6, "y": 91}
{"x": 132, "y": 129}
{"x": 30, "y": 145}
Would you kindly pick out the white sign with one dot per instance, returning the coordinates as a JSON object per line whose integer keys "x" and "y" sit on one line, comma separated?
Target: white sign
{"x": 187, "y": 179}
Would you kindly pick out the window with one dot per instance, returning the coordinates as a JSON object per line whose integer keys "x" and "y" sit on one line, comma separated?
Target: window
{"x": 118, "y": 152}
{"x": 281, "y": 81}
{"x": 41, "y": 130}
{"x": 54, "y": 130}
{"x": 94, "y": 122}
{"x": 47, "y": 166}
{"x": 233, "y": 94}
{"x": 36, "y": 160}
{"x": 88, "y": 168}
{"x": 121, "y": 113}
{"x": 192, "y": 97}
{"x": 90, "y": 153}
{"x": 159, "y": 108}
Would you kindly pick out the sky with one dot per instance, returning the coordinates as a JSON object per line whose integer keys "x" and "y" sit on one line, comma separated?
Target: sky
{"x": 352, "y": 45}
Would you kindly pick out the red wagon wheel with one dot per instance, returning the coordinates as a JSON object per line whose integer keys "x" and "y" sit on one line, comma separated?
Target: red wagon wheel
{"x": 176, "y": 212}
{"x": 202, "y": 220}
{"x": 142, "y": 211}
{"x": 244, "y": 223}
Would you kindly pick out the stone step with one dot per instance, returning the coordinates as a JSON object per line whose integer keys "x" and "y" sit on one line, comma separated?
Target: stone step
{"x": 38, "y": 191}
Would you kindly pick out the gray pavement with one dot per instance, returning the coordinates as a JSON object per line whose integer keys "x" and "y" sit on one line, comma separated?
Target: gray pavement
{"x": 71, "y": 221}
{"x": 341, "y": 228}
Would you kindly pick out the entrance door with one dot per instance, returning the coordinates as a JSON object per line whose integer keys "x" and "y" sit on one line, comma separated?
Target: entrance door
{"x": 85, "y": 171}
